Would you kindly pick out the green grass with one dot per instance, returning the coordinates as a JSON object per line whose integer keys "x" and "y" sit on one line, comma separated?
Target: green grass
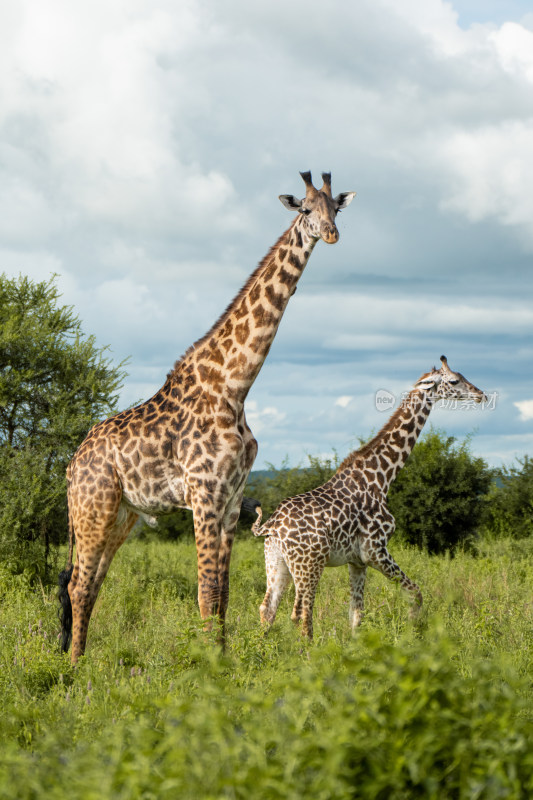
{"x": 440, "y": 708}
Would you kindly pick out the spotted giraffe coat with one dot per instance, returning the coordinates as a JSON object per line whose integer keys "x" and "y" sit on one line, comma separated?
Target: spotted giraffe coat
{"x": 346, "y": 520}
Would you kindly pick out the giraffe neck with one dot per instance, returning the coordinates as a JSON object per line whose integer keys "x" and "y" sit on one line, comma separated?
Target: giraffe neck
{"x": 388, "y": 451}
{"x": 228, "y": 358}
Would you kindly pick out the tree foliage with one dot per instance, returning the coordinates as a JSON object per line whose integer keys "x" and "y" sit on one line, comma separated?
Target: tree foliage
{"x": 439, "y": 497}
{"x": 510, "y": 510}
{"x": 55, "y": 383}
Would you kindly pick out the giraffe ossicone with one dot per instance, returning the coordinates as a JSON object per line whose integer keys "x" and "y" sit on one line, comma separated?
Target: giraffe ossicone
{"x": 189, "y": 446}
{"x": 346, "y": 520}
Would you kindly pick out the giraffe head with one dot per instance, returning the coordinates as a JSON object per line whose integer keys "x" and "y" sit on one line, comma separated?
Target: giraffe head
{"x": 445, "y": 383}
{"x": 318, "y": 208}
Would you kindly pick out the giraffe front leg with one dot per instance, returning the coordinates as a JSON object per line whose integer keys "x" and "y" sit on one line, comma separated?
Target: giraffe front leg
{"x": 381, "y": 560}
{"x": 227, "y": 538}
{"x": 357, "y": 594}
{"x": 208, "y": 536}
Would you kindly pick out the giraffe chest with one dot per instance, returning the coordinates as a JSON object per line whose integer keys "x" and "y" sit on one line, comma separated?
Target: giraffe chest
{"x": 162, "y": 472}
{"x": 348, "y": 522}
{"x": 344, "y": 548}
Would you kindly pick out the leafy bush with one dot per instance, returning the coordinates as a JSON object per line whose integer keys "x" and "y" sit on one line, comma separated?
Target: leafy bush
{"x": 510, "y": 502}
{"x": 439, "y": 497}
{"x": 373, "y": 721}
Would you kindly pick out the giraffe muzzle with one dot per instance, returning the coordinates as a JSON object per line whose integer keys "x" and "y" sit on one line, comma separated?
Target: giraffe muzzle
{"x": 329, "y": 234}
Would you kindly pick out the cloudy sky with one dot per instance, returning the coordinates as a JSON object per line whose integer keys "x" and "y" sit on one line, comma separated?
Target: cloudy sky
{"x": 143, "y": 146}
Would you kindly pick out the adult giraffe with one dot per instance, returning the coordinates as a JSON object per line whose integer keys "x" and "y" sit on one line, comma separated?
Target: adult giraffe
{"x": 189, "y": 446}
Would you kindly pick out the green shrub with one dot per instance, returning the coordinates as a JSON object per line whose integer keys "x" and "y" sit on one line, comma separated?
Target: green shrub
{"x": 371, "y": 720}
{"x": 439, "y": 497}
{"x": 510, "y": 502}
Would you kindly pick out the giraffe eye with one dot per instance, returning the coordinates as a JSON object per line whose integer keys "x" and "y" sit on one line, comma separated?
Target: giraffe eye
{"x": 305, "y": 211}
{"x": 454, "y": 381}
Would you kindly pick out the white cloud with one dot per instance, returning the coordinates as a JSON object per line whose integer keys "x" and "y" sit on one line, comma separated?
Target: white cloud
{"x": 435, "y": 20}
{"x": 493, "y": 170}
{"x": 260, "y": 419}
{"x": 525, "y": 408}
{"x": 344, "y": 400}
{"x": 105, "y": 115}
{"x": 514, "y": 46}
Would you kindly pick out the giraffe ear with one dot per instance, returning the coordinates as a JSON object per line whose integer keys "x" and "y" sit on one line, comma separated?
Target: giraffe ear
{"x": 291, "y": 202}
{"x": 428, "y": 381}
{"x": 343, "y": 200}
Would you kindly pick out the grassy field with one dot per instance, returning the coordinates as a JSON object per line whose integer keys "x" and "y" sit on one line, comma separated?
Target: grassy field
{"x": 440, "y": 708}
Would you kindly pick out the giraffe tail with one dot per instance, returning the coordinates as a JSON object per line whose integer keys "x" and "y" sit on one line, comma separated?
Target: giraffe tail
{"x": 250, "y": 505}
{"x": 65, "y": 612}
{"x": 257, "y": 524}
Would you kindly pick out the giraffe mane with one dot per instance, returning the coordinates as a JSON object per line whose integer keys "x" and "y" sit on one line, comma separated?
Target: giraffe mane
{"x": 236, "y": 300}
{"x": 368, "y": 447}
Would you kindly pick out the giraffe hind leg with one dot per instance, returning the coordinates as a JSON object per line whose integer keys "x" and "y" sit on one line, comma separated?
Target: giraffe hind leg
{"x": 306, "y": 586}
{"x": 89, "y": 572}
{"x": 278, "y": 578}
{"x": 303, "y": 610}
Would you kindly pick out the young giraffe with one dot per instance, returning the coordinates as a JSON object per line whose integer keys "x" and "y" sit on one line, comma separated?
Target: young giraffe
{"x": 189, "y": 446}
{"x": 346, "y": 521}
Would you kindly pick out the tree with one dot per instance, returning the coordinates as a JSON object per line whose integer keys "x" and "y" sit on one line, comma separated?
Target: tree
{"x": 510, "y": 502}
{"x": 439, "y": 497}
{"x": 55, "y": 383}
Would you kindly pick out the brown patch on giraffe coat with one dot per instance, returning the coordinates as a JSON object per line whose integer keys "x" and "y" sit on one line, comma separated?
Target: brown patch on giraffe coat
{"x": 237, "y": 365}
{"x": 277, "y": 299}
{"x": 225, "y": 421}
{"x": 241, "y": 309}
{"x": 197, "y": 452}
{"x": 269, "y": 272}
{"x": 285, "y": 277}
{"x": 217, "y": 356}
{"x": 259, "y": 342}
{"x": 148, "y": 449}
{"x": 211, "y": 376}
{"x": 295, "y": 261}
{"x": 255, "y": 293}
{"x": 258, "y": 313}
{"x": 242, "y": 332}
